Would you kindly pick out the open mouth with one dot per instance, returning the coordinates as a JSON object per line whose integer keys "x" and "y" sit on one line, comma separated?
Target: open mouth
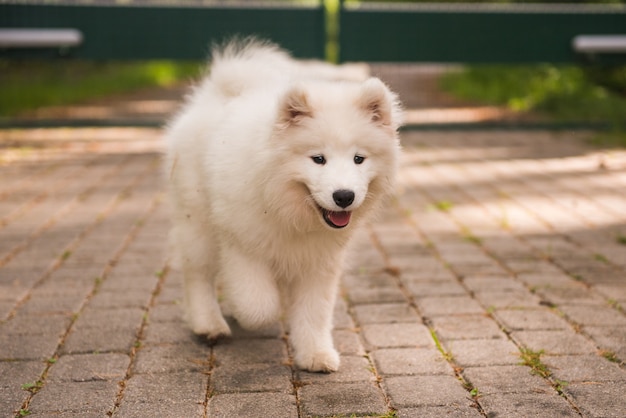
{"x": 336, "y": 220}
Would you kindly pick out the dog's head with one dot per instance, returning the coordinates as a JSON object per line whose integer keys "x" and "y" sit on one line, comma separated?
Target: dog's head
{"x": 338, "y": 148}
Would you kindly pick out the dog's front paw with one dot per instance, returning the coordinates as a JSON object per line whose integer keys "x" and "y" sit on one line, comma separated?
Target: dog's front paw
{"x": 211, "y": 330}
{"x": 325, "y": 361}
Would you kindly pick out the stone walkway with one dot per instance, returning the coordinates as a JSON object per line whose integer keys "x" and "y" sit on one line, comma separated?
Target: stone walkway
{"x": 493, "y": 286}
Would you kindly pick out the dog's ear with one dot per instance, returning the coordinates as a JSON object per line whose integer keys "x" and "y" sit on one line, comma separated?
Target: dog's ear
{"x": 378, "y": 102}
{"x": 295, "y": 107}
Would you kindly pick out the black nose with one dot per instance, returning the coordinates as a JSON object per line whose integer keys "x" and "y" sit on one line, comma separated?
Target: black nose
{"x": 343, "y": 198}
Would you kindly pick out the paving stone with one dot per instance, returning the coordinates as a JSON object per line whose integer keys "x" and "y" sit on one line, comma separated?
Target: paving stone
{"x": 452, "y": 411}
{"x": 171, "y": 293}
{"x": 594, "y": 315}
{"x": 28, "y": 347}
{"x": 117, "y": 333}
{"x": 164, "y": 395}
{"x": 462, "y": 252}
{"x": 250, "y": 351}
{"x": 438, "y": 288}
{"x": 368, "y": 262}
{"x": 45, "y": 304}
{"x": 483, "y": 352}
{"x": 6, "y": 306}
{"x": 172, "y": 358}
{"x": 341, "y": 317}
{"x": 410, "y": 361}
{"x": 398, "y": 239}
{"x": 367, "y": 281}
{"x": 584, "y": 368}
{"x": 348, "y": 342}
{"x": 477, "y": 267}
{"x": 166, "y": 312}
{"x": 108, "y": 338}
{"x": 128, "y": 298}
{"x": 324, "y": 399}
{"x": 555, "y": 342}
{"x": 438, "y": 390}
{"x": 506, "y": 379}
{"x": 252, "y": 378}
{"x": 448, "y": 305}
{"x": 412, "y": 265}
{"x": 397, "y": 335}
{"x": 610, "y": 338}
{"x": 385, "y": 313}
{"x": 360, "y": 295}
{"x": 474, "y": 326}
{"x": 492, "y": 283}
{"x": 352, "y": 369}
{"x": 428, "y": 269}
{"x": 615, "y": 291}
{"x": 253, "y": 405}
{"x": 540, "y": 279}
{"x": 49, "y": 325}
{"x": 531, "y": 319}
{"x": 75, "y": 397}
{"x": 71, "y": 281}
{"x": 13, "y": 375}
{"x": 89, "y": 367}
{"x": 599, "y": 399}
{"x": 525, "y": 405}
{"x": 515, "y": 299}
{"x": 574, "y": 293}
{"x": 168, "y": 333}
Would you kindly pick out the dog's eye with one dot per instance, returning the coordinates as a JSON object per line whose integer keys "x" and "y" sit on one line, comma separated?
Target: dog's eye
{"x": 319, "y": 159}
{"x": 358, "y": 159}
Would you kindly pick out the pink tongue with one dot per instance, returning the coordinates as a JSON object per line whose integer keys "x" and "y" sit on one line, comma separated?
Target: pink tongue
{"x": 339, "y": 218}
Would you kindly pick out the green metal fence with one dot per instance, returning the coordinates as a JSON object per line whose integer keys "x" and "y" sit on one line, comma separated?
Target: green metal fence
{"x": 481, "y": 33}
{"x": 443, "y": 32}
{"x": 173, "y": 30}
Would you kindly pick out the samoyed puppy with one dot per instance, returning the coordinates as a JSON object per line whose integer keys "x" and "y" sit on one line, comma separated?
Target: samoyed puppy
{"x": 271, "y": 166}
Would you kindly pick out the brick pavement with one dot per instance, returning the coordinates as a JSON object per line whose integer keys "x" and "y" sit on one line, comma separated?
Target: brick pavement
{"x": 494, "y": 285}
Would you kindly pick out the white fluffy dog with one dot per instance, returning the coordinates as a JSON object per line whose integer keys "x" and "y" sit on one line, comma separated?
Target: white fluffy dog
{"x": 271, "y": 166}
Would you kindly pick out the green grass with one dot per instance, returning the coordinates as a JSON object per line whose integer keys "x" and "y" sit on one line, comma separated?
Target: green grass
{"x": 446, "y": 355}
{"x": 32, "y": 386}
{"x": 532, "y": 359}
{"x": 610, "y": 356}
{"x": 28, "y": 85}
{"x": 443, "y": 205}
{"x": 559, "y": 93}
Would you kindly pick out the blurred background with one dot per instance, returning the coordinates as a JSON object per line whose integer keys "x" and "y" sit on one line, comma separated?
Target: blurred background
{"x": 592, "y": 92}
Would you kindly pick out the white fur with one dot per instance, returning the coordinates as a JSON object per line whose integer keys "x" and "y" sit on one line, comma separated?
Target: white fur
{"x": 246, "y": 195}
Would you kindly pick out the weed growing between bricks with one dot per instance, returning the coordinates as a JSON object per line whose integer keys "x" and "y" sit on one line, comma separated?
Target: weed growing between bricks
{"x": 532, "y": 359}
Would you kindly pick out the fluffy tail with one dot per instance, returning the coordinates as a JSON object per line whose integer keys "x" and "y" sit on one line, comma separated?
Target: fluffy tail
{"x": 248, "y": 63}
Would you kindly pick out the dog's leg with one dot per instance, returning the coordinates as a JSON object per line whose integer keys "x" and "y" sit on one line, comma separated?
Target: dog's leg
{"x": 311, "y": 323}
{"x": 198, "y": 259}
{"x": 250, "y": 288}
{"x": 203, "y": 311}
